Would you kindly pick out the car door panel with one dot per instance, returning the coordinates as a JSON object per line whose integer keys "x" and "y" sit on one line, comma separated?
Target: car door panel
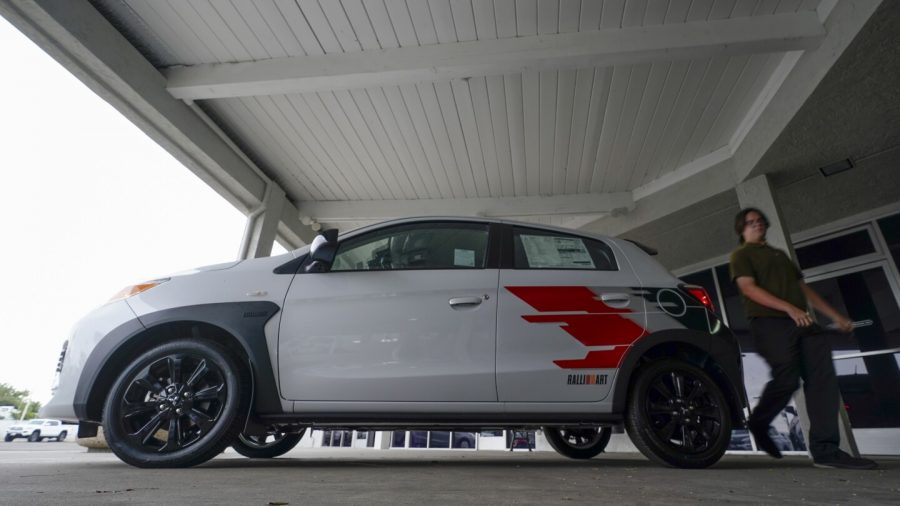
{"x": 562, "y": 333}
{"x": 390, "y": 336}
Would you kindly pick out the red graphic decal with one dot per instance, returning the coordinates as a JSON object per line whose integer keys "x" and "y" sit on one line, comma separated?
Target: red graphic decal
{"x": 592, "y": 324}
{"x": 609, "y": 359}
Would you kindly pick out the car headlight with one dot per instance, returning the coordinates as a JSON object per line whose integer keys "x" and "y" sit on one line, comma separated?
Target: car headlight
{"x": 129, "y": 291}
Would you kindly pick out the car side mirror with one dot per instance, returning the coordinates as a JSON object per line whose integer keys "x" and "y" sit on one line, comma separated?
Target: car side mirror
{"x": 322, "y": 251}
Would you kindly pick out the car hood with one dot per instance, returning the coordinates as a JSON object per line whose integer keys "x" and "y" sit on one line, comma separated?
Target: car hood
{"x": 206, "y": 268}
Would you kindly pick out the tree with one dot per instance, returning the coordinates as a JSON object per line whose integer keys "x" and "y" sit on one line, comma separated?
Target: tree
{"x": 9, "y": 396}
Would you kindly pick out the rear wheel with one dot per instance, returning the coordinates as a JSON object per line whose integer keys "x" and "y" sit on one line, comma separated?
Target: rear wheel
{"x": 677, "y": 415}
{"x": 177, "y": 405}
{"x": 578, "y": 443}
{"x": 62, "y": 436}
{"x": 267, "y": 446}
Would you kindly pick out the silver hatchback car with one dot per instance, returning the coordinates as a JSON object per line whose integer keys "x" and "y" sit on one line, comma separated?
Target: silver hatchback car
{"x": 450, "y": 323}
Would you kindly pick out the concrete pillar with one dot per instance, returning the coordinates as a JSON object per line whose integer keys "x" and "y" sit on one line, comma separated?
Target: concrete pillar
{"x": 758, "y": 193}
{"x": 262, "y": 224}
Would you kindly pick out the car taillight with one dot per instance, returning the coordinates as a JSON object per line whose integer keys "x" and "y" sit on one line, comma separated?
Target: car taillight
{"x": 699, "y": 293}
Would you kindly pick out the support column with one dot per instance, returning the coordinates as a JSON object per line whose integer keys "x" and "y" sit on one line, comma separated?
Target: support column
{"x": 262, "y": 224}
{"x": 758, "y": 193}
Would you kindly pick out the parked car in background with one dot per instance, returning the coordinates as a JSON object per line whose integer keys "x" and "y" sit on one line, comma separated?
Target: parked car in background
{"x": 459, "y": 323}
{"x": 38, "y": 430}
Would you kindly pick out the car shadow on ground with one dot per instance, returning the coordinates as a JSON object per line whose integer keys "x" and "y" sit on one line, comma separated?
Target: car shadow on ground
{"x": 524, "y": 461}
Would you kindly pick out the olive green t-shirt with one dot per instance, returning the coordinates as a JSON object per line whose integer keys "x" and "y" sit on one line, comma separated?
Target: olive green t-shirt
{"x": 773, "y": 271}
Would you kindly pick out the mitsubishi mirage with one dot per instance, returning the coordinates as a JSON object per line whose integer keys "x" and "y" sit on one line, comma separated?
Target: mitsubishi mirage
{"x": 451, "y": 323}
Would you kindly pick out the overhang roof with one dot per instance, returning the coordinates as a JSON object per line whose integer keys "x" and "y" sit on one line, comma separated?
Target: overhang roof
{"x": 560, "y": 111}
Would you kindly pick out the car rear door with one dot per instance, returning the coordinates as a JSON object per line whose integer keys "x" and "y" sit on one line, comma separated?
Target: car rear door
{"x": 407, "y": 313}
{"x": 569, "y": 309}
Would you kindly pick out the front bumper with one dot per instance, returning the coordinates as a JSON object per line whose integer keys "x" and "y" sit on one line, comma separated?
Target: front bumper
{"x": 87, "y": 333}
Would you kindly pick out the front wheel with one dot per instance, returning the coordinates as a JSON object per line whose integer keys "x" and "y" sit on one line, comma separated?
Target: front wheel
{"x": 266, "y": 446}
{"x": 177, "y": 405}
{"x": 578, "y": 443}
{"x": 8, "y": 438}
{"x": 677, "y": 415}
{"x": 35, "y": 437}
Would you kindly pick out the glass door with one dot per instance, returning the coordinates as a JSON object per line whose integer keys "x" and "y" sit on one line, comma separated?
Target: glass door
{"x": 868, "y": 361}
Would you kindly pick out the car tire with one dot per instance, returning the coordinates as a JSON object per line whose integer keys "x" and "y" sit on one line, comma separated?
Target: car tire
{"x": 177, "y": 405}
{"x": 35, "y": 437}
{"x": 256, "y": 448}
{"x": 578, "y": 443}
{"x": 464, "y": 444}
{"x": 62, "y": 436}
{"x": 677, "y": 415}
{"x": 8, "y": 439}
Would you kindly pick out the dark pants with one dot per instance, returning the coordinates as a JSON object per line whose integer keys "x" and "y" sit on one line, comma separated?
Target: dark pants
{"x": 795, "y": 353}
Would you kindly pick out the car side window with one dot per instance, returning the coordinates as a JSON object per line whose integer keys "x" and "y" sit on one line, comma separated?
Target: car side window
{"x": 542, "y": 249}
{"x": 416, "y": 246}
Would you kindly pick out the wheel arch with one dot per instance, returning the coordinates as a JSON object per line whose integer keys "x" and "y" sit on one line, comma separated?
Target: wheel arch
{"x": 698, "y": 348}
{"x": 237, "y": 327}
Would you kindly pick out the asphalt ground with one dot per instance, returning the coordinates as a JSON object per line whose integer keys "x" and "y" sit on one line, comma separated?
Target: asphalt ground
{"x": 64, "y": 473}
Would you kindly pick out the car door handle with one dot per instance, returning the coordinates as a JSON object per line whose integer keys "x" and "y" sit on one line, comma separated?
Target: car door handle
{"x": 616, "y": 299}
{"x": 463, "y": 302}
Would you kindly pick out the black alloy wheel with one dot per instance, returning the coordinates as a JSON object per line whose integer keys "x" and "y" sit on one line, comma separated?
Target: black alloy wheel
{"x": 578, "y": 442}
{"x": 267, "y": 446}
{"x": 678, "y": 415}
{"x": 35, "y": 437}
{"x": 177, "y": 405}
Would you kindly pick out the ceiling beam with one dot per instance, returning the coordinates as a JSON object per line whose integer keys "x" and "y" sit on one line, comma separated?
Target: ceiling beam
{"x": 601, "y": 48}
{"x": 88, "y": 46}
{"x": 666, "y": 200}
{"x": 376, "y": 210}
{"x": 84, "y": 42}
{"x": 787, "y": 89}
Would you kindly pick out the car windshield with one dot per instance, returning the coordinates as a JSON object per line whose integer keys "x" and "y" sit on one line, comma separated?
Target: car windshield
{"x": 35, "y": 422}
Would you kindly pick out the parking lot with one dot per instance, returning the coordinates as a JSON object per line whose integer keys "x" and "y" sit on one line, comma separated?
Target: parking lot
{"x": 64, "y": 473}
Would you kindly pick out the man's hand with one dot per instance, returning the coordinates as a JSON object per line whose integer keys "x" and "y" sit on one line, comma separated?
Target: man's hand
{"x": 843, "y": 324}
{"x": 800, "y": 317}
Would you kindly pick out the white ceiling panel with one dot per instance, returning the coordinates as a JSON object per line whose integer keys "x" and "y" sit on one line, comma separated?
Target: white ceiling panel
{"x": 535, "y": 131}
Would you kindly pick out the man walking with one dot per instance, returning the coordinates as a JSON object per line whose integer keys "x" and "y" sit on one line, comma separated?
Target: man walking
{"x": 775, "y": 301}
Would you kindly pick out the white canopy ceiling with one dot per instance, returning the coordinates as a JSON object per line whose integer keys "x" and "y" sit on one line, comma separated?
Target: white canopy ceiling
{"x": 558, "y": 111}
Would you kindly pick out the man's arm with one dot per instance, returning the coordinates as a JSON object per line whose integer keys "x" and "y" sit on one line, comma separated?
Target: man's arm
{"x": 842, "y": 322}
{"x": 749, "y": 288}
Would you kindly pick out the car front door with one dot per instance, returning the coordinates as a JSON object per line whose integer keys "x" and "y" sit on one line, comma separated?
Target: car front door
{"x": 406, "y": 313}
{"x": 570, "y": 307}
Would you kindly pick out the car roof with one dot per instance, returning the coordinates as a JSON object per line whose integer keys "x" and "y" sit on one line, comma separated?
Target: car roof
{"x": 472, "y": 219}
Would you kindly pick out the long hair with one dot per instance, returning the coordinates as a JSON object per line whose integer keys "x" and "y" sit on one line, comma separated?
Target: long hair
{"x": 740, "y": 221}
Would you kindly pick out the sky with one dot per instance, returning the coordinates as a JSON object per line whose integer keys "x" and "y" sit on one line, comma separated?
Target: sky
{"x": 89, "y": 204}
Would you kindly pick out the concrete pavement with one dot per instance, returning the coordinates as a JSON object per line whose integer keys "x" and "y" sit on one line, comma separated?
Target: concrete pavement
{"x": 64, "y": 473}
